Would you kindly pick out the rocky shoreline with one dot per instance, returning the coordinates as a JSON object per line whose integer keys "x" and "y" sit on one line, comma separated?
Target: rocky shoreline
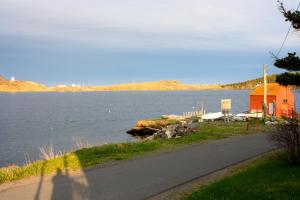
{"x": 167, "y": 127}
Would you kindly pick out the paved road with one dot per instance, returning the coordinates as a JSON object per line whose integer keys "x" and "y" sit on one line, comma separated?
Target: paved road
{"x": 143, "y": 177}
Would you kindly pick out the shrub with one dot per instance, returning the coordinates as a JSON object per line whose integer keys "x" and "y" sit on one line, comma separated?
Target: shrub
{"x": 287, "y": 136}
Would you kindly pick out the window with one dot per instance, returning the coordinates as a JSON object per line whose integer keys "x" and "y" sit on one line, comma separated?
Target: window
{"x": 285, "y": 100}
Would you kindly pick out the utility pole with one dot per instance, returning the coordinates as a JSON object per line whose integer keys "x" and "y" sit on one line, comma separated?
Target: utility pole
{"x": 265, "y": 93}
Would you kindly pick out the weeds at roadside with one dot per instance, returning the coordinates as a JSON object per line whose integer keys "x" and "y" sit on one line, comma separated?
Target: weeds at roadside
{"x": 47, "y": 152}
{"x": 81, "y": 143}
{"x": 87, "y": 157}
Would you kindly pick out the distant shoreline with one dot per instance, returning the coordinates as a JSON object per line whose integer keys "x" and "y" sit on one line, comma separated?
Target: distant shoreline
{"x": 14, "y": 86}
{"x": 79, "y": 91}
{"x": 164, "y": 85}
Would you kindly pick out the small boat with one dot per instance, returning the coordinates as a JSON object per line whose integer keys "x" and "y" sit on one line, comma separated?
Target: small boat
{"x": 254, "y": 115}
{"x": 250, "y": 115}
{"x": 212, "y": 116}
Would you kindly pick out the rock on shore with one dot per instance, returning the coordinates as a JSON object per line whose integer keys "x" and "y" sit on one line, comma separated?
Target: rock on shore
{"x": 163, "y": 128}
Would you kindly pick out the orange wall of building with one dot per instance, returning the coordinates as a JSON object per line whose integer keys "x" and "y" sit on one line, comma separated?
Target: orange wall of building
{"x": 256, "y": 102}
{"x": 285, "y": 108}
{"x": 282, "y": 108}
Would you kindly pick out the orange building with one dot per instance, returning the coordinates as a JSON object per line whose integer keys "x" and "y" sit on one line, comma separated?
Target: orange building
{"x": 280, "y": 100}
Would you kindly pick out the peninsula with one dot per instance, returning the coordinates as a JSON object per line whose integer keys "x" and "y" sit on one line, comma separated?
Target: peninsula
{"x": 163, "y": 85}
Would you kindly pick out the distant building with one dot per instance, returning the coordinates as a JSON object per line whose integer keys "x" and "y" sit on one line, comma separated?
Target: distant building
{"x": 280, "y": 100}
{"x": 61, "y": 86}
{"x": 12, "y": 79}
{"x": 74, "y": 85}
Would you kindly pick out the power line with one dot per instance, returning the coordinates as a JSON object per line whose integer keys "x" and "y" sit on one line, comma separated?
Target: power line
{"x": 286, "y": 36}
{"x": 284, "y": 40}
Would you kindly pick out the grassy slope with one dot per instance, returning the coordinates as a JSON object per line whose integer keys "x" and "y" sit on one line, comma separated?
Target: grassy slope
{"x": 250, "y": 84}
{"x": 271, "y": 178}
{"x": 96, "y": 155}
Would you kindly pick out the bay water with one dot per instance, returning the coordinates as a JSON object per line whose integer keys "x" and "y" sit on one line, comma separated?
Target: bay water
{"x": 31, "y": 120}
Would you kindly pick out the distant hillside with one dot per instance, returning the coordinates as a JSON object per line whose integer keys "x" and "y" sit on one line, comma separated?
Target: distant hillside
{"x": 20, "y": 86}
{"x": 28, "y": 86}
{"x": 158, "y": 85}
{"x": 250, "y": 84}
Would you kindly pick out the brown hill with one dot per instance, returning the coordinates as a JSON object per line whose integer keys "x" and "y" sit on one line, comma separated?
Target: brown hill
{"x": 29, "y": 86}
{"x": 21, "y": 86}
{"x": 157, "y": 85}
{"x": 164, "y": 85}
{"x": 71, "y": 89}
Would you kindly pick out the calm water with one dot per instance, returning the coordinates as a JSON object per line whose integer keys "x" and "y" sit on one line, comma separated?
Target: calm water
{"x": 31, "y": 120}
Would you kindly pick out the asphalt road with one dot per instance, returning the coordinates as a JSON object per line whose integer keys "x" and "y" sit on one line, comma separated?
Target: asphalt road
{"x": 143, "y": 177}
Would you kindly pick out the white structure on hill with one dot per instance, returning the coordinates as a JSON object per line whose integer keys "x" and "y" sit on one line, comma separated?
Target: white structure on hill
{"x": 74, "y": 85}
{"x": 12, "y": 79}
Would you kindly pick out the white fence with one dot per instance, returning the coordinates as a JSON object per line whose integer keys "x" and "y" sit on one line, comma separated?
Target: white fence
{"x": 193, "y": 114}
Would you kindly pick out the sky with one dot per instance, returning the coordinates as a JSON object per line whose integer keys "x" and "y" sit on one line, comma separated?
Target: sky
{"x": 97, "y": 42}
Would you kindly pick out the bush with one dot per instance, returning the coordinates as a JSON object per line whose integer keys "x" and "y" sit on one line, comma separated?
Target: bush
{"x": 287, "y": 136}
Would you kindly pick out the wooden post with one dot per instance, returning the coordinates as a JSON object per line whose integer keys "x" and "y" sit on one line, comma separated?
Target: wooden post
{"x": 256, "y": 124}
{"x": 265, "y": 93}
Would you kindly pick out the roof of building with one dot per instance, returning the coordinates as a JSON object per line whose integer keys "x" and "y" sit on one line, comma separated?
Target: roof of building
{"x": 272, "y": 89}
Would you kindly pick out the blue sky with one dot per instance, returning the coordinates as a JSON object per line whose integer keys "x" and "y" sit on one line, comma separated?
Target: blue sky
{"x": 103, "y": 42}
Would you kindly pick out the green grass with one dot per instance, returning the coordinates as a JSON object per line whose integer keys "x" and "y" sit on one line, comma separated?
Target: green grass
{"x": 264, "y": 179}
{"x": 100, "y": 154}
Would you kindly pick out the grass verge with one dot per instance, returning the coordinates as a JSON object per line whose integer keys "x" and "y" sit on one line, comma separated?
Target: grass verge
{"x": 265, "y": 178}
{"x": 88, "y": 157}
